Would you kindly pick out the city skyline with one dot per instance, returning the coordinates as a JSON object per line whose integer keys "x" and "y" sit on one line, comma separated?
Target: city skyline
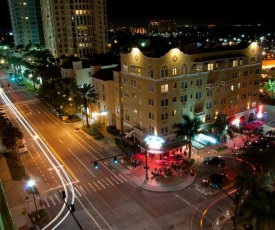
{"x": 121, "y": 13}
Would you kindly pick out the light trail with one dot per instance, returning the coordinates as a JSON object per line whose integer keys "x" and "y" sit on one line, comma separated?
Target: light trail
{"x": 47, "y": 153}
{"x": 56, "y": 165}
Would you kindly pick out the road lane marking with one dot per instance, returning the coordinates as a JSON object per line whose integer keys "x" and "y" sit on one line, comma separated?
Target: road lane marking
{"x": 52, "y": 200}
{"x": 82, "y": 190}
{"x": 77, "y": 191}
{"x": 92, "y": 187}
{"x": 101, "y": 184}
{"x": 97, "y": 185}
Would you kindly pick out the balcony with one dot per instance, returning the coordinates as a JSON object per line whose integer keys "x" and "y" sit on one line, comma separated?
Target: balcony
{"x": 211, "y": 85}
{"x": 197, "y": 113}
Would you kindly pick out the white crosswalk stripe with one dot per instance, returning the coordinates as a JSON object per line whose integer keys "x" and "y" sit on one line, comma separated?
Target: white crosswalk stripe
{"x": 202, "y": 190}
{"x": 94, "y": 186}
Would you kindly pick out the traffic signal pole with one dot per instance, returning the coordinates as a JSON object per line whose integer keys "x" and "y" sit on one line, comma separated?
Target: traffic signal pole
{"x": 71, "y": 208}
{"x": 235, "y": 201}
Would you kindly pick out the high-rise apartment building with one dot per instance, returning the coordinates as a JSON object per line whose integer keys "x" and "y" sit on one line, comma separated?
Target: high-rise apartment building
{"x": 26, "y": 22}
{"x": 156, "y": 92}
{"x": 75, "y": 27}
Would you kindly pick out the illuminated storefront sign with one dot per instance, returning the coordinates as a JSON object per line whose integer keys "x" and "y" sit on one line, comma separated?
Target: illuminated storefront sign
{"x": 154, "y": 142}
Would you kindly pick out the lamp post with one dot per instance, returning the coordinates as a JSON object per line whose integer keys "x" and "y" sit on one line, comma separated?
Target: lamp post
{"x": 31, "y": 184}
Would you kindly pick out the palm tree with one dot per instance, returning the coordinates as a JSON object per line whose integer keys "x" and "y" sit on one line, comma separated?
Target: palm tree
{"x": 222, "y": 127}
{"x": 87, "y": 95}
{"x": 190, "y": 128}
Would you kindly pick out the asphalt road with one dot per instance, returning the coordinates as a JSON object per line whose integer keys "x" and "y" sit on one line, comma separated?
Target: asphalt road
{"x": 106, "y": 198}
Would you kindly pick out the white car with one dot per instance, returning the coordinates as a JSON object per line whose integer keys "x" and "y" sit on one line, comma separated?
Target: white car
{"x": 22, "y": 149}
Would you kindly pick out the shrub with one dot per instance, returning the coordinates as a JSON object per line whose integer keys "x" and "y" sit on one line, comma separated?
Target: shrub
{"x": 99, "y": 136}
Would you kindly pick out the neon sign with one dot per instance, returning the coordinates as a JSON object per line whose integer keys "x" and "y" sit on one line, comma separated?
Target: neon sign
{"x": 154, "y": 142}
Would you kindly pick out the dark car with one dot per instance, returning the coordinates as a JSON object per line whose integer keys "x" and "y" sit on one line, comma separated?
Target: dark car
{"x": 214, "y": 161}
{"x": 215, "y": 178}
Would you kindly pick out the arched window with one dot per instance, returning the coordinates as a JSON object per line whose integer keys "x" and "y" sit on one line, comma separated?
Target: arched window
{"x": 150, "y": 72}
{"x": 164, "y": 71}
{"x": 184, "y": 68}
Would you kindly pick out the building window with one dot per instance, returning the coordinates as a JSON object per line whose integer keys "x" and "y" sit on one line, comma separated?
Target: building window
{"x": 164, "y": 102}
{"x": 174, "y": 126}
{"x": 175, "y": 71}
{"x": 127, "y": 117}
{"x": 198, "y": 95}
{"x": 174, "y": 112}
{"x": 125, "y": 67}
{"x": 199, "y": 82}
{"x": 174, "y": 99}
{"x": 151, "y": 130}
{"x": 151, "y": 116}
{"x": 164, "y": 71}
{"x": 134, "y": 96}
{"x": 234, "y": 75}
{"x": 151, "y": 102}
{"x": 164, "y": 130}
{"x": 183, "y": 99}
{"x": 184, "y": 68}
{"x": 150, "y": 88}
{"x": 244, "y": 85}
{"x": 126, "y": 94}
{"x": 183, "y": 85}
{"x": 175, "y": 85}
{"x": 245, "y": 73}
{"x": 207, "y": 117}
{"x": 210, "y": 66}
{"x": 208, "y": 105}
{"x": 209, "y": 92}
{"x": 125, "y": 80}
{"x": 164, "y": 88}
{"x": 133, "y": 83}
{"x": 216, "y": 102}
{"x": 164, "y": 116}
{"x": 150, "y": 72}
{"x": 223, "y": 101}
{"x": 235, "y": 63}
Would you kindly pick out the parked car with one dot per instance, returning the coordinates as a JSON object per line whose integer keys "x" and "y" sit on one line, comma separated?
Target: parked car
{"x": 214, "y": 161}
{"x": 215, "y": 178}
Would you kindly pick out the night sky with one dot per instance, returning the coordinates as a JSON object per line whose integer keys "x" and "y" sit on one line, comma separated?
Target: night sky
{"x": 139, "y": 13}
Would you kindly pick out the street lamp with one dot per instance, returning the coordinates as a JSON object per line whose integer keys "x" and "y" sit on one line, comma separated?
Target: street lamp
{"x": 31, "y": 185}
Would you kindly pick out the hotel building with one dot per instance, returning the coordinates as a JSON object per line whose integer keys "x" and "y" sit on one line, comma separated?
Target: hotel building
{"x": 156, "y": 92}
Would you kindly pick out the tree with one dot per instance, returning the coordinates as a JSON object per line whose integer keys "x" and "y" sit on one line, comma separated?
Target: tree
{"x": 97, "y": 127}
{"x": 87, "y": 96}
{"x": 270, "y": 87}
{"x": 222, "y": 127}
{"x": 255, "y": 179}
{"x": 190, "y": 128}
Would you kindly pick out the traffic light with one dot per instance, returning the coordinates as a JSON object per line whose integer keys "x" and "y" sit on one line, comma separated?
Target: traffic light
{"x": 115, "y": 160}
{"x": 72, "y": 208}
{"x": 95, "y": 165}
{"x": 63, "y": 194}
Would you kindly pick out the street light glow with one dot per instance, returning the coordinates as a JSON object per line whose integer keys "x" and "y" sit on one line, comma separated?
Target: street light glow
{"x": 31, "y": 183}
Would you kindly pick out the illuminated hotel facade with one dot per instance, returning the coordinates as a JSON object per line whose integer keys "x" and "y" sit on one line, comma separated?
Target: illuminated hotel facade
{"x": 156, "y": 92}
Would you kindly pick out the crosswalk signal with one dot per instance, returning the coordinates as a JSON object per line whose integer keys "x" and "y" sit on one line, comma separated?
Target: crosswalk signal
{"x": 72, "y": 208}
{"x": 115, "y": 160}
{"x": 63, "y": 194}
{"x": 95, "y": 165}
